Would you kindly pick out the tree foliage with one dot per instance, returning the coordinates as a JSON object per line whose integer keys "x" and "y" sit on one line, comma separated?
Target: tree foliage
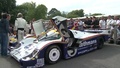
{"x": 7, "y": 6}
{"x": 64, "y": 14}
{"x": 96, "y": 14}
{"x": 30, "y": 10}
{"x": 17, "y": 10}
{"x": 41, "y": 12}
{"x": 76, "y": 13}
{"x": 53, "y": 12}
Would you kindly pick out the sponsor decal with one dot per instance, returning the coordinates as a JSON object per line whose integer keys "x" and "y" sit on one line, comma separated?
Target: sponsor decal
{"x": 87, "y": 50}
{"x": 86, "y": 43}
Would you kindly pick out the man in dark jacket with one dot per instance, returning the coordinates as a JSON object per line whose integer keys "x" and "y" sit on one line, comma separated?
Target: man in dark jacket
{"x": 4, "y": 30}
{"x": 95, "y": 23}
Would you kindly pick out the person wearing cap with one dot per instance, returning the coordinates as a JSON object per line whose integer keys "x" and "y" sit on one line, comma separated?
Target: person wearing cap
{"x": 20, "y": 26}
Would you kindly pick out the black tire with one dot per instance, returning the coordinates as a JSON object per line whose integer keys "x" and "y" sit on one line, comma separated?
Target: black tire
{"x": 118, "y": 41}
{"x": 111, "y": 41}
{"x": 100, "y": 43}
{"x": 52, "y": 54}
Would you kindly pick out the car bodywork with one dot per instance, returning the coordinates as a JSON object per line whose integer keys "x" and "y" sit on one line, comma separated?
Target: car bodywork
{"x": 57, "y": 43}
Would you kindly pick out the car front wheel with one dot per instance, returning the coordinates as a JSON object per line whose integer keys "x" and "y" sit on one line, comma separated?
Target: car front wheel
{"x": 53, "y": 54}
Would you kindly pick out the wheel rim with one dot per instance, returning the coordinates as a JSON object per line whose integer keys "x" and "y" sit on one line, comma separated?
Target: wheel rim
{"x": 54, "y": 54}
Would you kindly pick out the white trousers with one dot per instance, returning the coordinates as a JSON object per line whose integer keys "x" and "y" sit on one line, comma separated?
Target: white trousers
{"x": 20, "y": 35}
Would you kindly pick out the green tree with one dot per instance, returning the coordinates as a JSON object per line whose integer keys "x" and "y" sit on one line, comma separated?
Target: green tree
{"x": 53, "y": 12}
{"x": 96, "y": 14}
{"x": 64, "y": 14}
{"x": 19, "y": 9}
{"x": 41, "y": 12}
{"x": 7, "y": 5}
{"x": 29, "y": 10}
{"x": 76, "y": 13}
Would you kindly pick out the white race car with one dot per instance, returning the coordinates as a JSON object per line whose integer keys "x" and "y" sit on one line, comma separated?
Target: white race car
{"x": 53, "y": 45}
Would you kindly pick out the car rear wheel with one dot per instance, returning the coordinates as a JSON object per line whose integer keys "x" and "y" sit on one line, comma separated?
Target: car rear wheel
{"x": 53, "y": 54}
{"x": 111, "y": 41}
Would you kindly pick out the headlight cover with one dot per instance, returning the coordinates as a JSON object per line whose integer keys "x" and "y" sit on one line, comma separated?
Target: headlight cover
{"x": 31, "y": 56}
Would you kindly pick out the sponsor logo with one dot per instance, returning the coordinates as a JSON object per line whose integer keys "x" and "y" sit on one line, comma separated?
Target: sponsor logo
{"x": 86, "y": 43}
{"x": 87, "y": 50}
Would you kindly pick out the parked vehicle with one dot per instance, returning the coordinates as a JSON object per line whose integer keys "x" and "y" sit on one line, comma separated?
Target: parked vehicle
{"x": 56, "y": 44}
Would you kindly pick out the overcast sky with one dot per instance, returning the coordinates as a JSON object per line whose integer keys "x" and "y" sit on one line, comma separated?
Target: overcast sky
{"x": 89, "y": 6}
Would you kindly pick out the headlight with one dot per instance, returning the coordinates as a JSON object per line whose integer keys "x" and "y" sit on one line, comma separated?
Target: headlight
{"x": 32, "y": 56}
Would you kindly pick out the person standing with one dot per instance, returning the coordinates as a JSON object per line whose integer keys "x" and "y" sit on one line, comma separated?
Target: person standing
{"x": 87, "y": 23}
{"x": 75, "y": 25}
{"x": 4, "y": 30}
{"x": 32, "y": 29}
{"x": 70, "y": 24}
{"x": 115, "y": 24}
{"x": 80, "y": 25}
{"x": 109, "y": 21}
{"x": 95, "y": 23}
{"x": 102, "y": 23}
{"x": 20, "y": 26}
{"x": 29, "y": 26}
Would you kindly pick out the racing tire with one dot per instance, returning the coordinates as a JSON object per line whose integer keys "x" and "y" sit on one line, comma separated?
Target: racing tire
{"x": 118, "y": 42}
{"x": 100, "y": 43}
{"x": 111, "y": 41}
{"x": 53, "y": 54}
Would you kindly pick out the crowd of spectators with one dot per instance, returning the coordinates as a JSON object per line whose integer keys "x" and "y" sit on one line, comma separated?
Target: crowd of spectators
{"x": 111, "y": 23}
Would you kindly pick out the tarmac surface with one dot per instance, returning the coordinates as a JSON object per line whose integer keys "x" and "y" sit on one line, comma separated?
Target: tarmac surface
{"x": 107, "y": 57}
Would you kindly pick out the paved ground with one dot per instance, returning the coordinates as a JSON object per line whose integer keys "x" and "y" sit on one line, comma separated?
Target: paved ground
{"x": 108, "y": 57}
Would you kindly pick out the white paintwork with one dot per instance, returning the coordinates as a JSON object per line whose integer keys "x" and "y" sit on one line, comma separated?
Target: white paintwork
{"x": 82, "y": 35}
{"x": 59, "y": 18}
{"x": 22, "y": 51}
{"x": 28, "y": 45}
{"x": 107, "y": 31}
{"x": 27, "y": 41}
{"x": 26, "y": 49}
